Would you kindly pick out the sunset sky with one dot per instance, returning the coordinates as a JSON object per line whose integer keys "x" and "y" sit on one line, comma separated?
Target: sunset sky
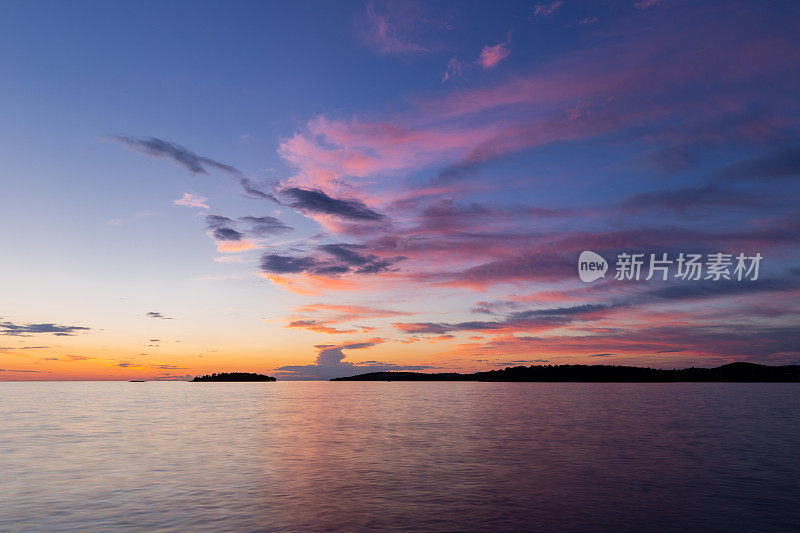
{"x": 319, "y": 189}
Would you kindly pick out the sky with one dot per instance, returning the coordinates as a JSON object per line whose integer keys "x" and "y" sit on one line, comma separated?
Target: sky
{"x": 320, "y": 189}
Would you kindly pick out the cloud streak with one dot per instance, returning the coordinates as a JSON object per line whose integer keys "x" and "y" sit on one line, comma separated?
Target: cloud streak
{"x": 544, "y": 10}
{"x": 25, "y": 330}
{"x": 331, "y": 260}
{"x": 316, "y": 201}
{"x": 189, "y": 160}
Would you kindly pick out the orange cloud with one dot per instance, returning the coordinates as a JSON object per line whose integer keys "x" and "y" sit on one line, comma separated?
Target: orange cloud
{"x": 318, "y": 326}
{"x": 310, "y": 285}
{"x": 236, "y": 246}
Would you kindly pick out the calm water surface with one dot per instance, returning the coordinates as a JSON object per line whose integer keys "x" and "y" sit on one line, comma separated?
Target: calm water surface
{"x": 349, "y": 456}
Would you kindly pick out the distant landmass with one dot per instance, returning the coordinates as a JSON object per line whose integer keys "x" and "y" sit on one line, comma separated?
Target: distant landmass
{"x": 733, "y": 372}
{"x": 234, "y": 376}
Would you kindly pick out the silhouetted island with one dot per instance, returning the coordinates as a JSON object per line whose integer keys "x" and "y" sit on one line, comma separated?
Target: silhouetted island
{"x": 234, "y": 376}
{"x": 741, "y": 372}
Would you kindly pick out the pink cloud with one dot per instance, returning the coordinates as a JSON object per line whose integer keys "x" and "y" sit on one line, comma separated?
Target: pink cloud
{"x": 192, "y": 200}
{"x": 492, "y": 55}
{"x": 569, "y": 99}
{"x": 593, "y": 93}
{"x": 334, "y": 149}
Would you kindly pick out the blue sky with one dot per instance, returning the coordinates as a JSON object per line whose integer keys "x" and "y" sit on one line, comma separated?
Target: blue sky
{"x": 439, "y": 165}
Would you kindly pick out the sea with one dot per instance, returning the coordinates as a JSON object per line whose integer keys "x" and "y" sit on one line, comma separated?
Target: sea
{"x": 399, "y": 456}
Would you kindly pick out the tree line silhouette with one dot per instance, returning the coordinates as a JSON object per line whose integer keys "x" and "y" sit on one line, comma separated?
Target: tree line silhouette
{"x": 741, "y": 372}
{"x": 234, "y": 376}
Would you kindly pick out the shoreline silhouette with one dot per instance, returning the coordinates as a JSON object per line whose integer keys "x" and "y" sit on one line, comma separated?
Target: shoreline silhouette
{"x": 732, "y": 372}
{"x": 233, "y": 376}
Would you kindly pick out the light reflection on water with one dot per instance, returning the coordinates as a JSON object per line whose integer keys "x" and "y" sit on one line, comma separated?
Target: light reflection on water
{"x": 350, "y": 456}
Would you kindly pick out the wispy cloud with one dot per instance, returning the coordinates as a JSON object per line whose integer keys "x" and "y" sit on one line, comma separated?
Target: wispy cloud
{"x": 533, "y": 320}
{"x": 264, "y": 226}
{"x": 155, "y": 147}
{"x": 543, "y": 10}
{"x": 23, "y": 347}
{"x": 194, "y": 163}
{"x": 453, "y": 70}
{"x": 644, "y": 4}
{"x": 390, "y": 33}
{"x": 325, "y": 318}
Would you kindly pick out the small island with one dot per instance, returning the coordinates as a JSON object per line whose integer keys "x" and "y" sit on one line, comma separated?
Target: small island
{"x": 733, "y": 372}
{"x": 234, "y": 376}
